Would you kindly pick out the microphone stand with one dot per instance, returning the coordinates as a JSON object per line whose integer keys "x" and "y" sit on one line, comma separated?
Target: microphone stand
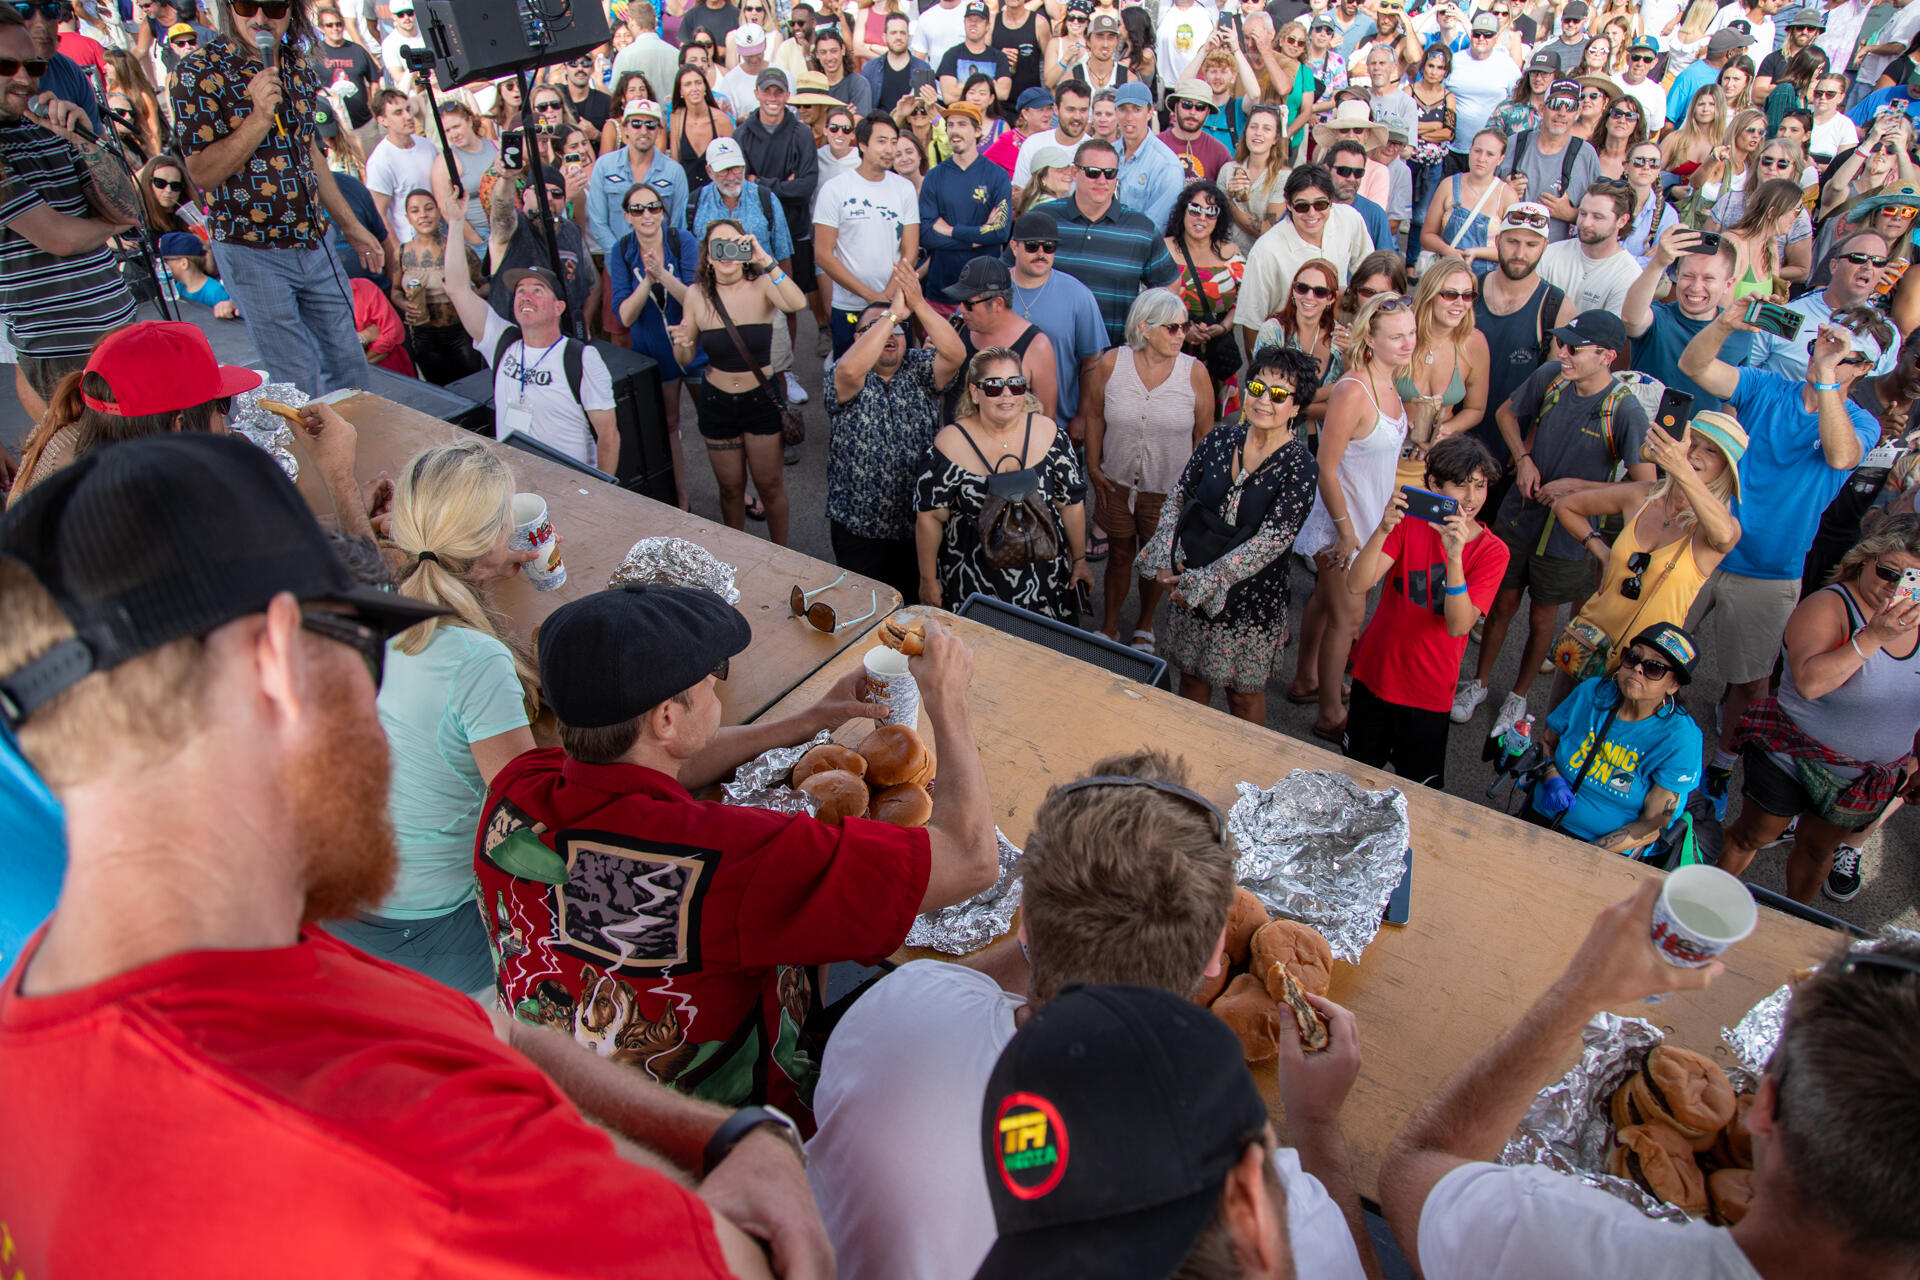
{"x": 142, "y": 229}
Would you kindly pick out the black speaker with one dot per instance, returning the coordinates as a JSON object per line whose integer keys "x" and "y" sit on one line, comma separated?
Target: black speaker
{"x": 481, "y": 39}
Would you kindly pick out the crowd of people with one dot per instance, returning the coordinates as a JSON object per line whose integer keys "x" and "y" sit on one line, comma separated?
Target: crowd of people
{"x": 1144, "y": 317}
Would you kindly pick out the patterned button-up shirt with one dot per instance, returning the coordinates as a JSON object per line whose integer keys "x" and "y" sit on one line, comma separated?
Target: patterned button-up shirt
{"x": 272, "y": 201}
{"x": 879, "y": 438}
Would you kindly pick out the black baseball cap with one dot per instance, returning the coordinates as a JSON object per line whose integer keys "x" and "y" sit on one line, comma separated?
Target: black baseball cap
{"x": 981, "y": 278}
{"x": 1675, "y": 645}
{"x": 610, "y": 656}
{"x": 158, "y": 539}
{"x": 1034, "y": 225}
{"x": 1110, "y": 1124}
{"x": 1544, "y": 62}
{"x": 511, "y": 279}
{"x": 1595, "y": 328}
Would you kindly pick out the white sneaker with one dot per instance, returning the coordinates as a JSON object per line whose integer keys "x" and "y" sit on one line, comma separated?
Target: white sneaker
{"x": 1512, "y": 711}
{"x": 1466, "y": 700}
{"x": 796, "y": 394}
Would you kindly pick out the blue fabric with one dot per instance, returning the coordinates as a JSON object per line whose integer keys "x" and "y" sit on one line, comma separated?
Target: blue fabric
{"x": 1150, "y": 181}
{"x": 210, "y": 292}
{"x": 1870, "y": 105}
{"x": 1379, "y": 226}
{"x": 65, "y": 79}
{"x": 299, "y": 314}
{"x": 1657, "y": 352}
{"x": 1067, "y": 312}
{"x": 968, "y": 199}
{"x": 776, "y": 240}
{"x": 360, "y": 200}
{"x": 1664, "y": 750}
{"x": 613, "y": 174}
{"x": 1789, "y": 358}
{"x": 649, "y": 332}
{"x": 36, "y": 858}
{"x": 1696, "y": 77}
{"x": 1785, "y": 482}
{"x": 1474, "y": 237}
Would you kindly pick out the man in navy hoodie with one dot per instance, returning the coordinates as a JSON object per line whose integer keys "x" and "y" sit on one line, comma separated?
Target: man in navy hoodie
{"x": 966, "y": 202}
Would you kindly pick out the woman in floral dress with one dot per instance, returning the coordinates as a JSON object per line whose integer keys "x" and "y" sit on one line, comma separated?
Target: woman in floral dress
{"x": 1241, "y": 499}
{"x": 1199, "y": 236}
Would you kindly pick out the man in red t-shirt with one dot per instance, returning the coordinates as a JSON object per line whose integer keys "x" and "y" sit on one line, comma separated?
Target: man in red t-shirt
{"x": 1441, "y": 578}
{"x": 676, "y": 935}
{"x": 195, "y": 1081}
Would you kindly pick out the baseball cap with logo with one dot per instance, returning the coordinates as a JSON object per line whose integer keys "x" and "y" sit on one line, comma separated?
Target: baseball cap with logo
{"x": 975, "y": 9}
{"x": 1564, "y": 91}
{"x": 750, "y": 38}
{"x": 643, "y": 108}
{"x": 1103, "y": 24}
{"x": 1484, "y": 22}
{"x": 1645, "y": 44}
{"x": 1543, "y": 63}
{"x": 165, "y": 538}
{"x": 1727, "y": 39}
{"x": 1595, "y": 328}
{"x": 1110, "y": 1124}
{"x": 1323, "y": 22}
{"x": 1673, "y": 644}
{"x": 724, "y": 153}
{"x": 1526, "y": 215}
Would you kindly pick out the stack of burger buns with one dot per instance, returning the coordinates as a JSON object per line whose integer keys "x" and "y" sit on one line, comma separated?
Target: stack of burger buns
{"x": 1268, "y": 962}
{"x": 1681, "y": 1134}
{"x": 885, "y": 778}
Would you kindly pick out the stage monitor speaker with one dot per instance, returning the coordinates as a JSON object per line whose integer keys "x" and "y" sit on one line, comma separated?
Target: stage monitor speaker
{"x": 480, "y": 39}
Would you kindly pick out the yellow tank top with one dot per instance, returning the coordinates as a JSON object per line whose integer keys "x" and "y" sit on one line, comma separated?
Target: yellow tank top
{"x": 1666, "y": 593}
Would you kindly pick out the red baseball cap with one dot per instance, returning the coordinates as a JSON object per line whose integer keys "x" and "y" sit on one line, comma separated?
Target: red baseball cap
{"x": 160, "y": 366}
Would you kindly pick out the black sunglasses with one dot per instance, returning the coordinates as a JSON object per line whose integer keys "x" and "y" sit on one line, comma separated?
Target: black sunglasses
{"x": 1863, "y": 259}
{"x": 1651, "y": 668}
{"x": 371, "y": 642}
{"x": 1040, "y": 246}
{"x": 1348, "y": 171}
{"x": 184, "y": 42}
{"x": 161, "y": 184}
{"x": 1101, "y": 173}
{"x": 720, "y": 672}
{"x": 995, "y": 387}
{"x": 1311, "y": 206}
{"x": 276, "y": 9}
{"x": 1636, "y": 565}
{"x": 645, "y": 208}
{"x": 10, "y": 67}
{"x": 58, "y": 12}
{"x": 1887, "y": 572}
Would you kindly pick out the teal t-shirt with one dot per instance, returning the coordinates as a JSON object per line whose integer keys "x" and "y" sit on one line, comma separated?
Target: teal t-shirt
{"x": 435, "y": 705}
{"x": 1663, "y": 750}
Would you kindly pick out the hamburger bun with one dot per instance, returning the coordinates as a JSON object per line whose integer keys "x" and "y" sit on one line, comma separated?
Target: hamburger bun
{"x": 1661, "y": 1162}
{"x": 829, "y": 755}
{"x": 283, "y": 410}
{"x": 1636, "y": 1102}
{"x": 905, "y": 805}
{"x": 1251, "y": 1013}
{"x": 1245, "y": 918}
{"x": 1690, "y": 1092}
{"x": 896, "y": 754}
{"x": 1732, "y": 1192}
{"x": 906, "y": 634}
{"x": 1735, "y": 1147}
{"x": 1297, "y": 946}
{"x": 841, "y": 795}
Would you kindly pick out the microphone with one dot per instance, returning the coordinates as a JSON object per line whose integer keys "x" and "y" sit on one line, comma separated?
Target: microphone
{"x": 269, "y": 46}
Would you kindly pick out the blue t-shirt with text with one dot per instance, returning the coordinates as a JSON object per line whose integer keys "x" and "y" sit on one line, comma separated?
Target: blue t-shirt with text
{"x": 1638, "y": 755}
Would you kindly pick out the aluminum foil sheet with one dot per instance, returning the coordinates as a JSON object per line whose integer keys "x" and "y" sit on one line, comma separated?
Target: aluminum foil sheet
{"x": 677, "y": 562}
{"x": 1568, "y": 1128}
{"x": 269, "y": 430}
{"x": 761, "y": 783}
{"x": 965, "y": 927}
{"x": 1752, "y": 1039}
{"x": 1317, "y": 848}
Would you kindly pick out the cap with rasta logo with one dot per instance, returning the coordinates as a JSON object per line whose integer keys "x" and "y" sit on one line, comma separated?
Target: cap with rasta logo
{"x": 1032, "y": 1146}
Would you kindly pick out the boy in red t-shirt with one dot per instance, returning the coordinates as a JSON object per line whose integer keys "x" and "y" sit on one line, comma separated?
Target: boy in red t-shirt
{"x": 1440, "y": 579}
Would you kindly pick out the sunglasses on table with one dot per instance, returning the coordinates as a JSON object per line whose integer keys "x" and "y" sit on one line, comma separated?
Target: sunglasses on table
{"x": 1040, "y": 246}
{"x": 10, "y": 67}
{"x": 642, "y": 210}
{"x": 1636, "y": 565}
{"x": 1100, "y": 174}
{"x": 370, "y": 642}
{"x": 1651, "y": 668}
{"x": 1311, "y": 206}
{"x": 821, "y": 615}
{"x": 59, "y": 12}
{"x": 1312, "y": 291}
{"x": 996, "y": 387}
{"x": 1886, "y": 572}
{"x": 1863, "y": 259}
{"x": 277, "y": 9}
{"x": 1257, "y": 389}
{"x": 1348, "y": 171}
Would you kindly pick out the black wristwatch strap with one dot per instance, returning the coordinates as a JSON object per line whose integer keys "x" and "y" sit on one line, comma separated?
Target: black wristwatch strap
{"x": 739, "y": 1125}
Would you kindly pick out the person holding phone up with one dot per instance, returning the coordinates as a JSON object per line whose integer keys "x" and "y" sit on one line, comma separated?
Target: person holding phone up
{"x": 1442, "y": 573}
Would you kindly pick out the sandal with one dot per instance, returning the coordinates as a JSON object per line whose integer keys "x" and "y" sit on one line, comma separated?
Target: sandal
{"x": 755, "y": 510}
{"x": 1335, "y": 734}
{"x": 1142, "y": 640}
{"x": 1304, "y": 699}
{"x": 1097, "y": 547}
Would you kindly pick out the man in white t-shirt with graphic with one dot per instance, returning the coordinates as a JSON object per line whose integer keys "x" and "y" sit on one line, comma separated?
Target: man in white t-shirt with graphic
{"x": 896, "y": 1165}
{"x": 864, "y": 221}
{"x": 1594, "y": 269}
{"x": 402, "y": 162}
{"x": 546, "y": 385}
{"x": 405, "y": 35}
{"x": 1642, "y": 55}
{"x": 1834, "y": 1128}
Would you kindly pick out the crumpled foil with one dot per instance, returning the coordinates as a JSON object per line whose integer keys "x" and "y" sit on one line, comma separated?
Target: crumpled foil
{"x": 1752, "y": 1039}
{"x": 269, "y": 430}
{"x": 676, "y": 562}
{"x": 761, "y": 783}
{"x": 967, "y": 926}
{"x": 1317, "y": 848}
{"x": 1569, "y": 1128}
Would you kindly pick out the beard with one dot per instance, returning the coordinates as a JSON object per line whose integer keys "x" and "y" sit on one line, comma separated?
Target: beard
{"x": 1517, "y": 268}
{"x": 337, "y": 794}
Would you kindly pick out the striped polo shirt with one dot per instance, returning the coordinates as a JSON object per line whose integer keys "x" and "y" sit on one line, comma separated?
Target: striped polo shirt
{"x": 1113, "y": 255}
{"x": 54, "y": 306}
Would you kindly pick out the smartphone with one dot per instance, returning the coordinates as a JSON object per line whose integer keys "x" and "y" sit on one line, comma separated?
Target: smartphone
{"x": 1909, "y": 585}
{"x": 1709, "y": 243}
{"x": 921, "y": 80}
{"x": 1085, "y": 593}
{"x": 1774, "y": 318}
{"x": 1400, "y": 905}
{"x": 1675, "y": 412}
{"x": 1434, "y": 508}
{"x": 510, "y": 156}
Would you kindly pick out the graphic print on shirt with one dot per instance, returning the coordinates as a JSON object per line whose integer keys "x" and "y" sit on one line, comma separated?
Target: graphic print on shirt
{"x": 630, "y": 905}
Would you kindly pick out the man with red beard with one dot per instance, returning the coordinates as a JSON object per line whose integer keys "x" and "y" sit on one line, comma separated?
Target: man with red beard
{"x": 193, "y": 672}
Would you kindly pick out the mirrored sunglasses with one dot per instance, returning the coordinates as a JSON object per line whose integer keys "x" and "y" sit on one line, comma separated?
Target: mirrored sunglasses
{"x": 995, "y": 387}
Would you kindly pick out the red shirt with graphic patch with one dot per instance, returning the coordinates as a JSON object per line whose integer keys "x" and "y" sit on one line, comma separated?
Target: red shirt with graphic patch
{"x": 1405, "y": 655}
{"x": 680, "y": 937}
{"x": 307, "y": 1110}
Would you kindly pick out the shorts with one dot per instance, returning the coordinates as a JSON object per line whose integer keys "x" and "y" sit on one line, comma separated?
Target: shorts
{"x": 1771, "y": 787}
{"x": 1387, "y": 735}
{"x": 1750, "y": 617}
{"x": 453, "y": 949}
{"x": 802, "y": 270}
{"x": 1139, "y": 519}
{"x": 44, "y": 372}
{"x": 728, "y": 415}
{"x": 1549, "y": 579}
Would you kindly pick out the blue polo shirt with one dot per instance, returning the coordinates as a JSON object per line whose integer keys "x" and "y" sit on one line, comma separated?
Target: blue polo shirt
{"x": 1785, "y": 481}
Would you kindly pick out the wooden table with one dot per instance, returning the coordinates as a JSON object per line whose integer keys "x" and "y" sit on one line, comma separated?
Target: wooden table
{"x": 1498, "y": 908}
{"x": 599, "y": 523}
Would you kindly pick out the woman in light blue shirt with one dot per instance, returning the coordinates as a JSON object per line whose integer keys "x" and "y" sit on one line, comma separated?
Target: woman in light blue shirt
{"x": 454, "y": 704}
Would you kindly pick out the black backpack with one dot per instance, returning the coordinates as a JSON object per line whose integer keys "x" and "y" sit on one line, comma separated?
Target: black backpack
{"x": 1567, "y": 160}
{"x": 573, "y": 357}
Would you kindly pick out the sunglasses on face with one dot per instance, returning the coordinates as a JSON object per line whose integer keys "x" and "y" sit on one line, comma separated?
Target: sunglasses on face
{"x": 642, "y": 210}
{"x": 1623, "y": 113}
{"x": 546, "y": 106}
{"x": 1863, "y": 260}
{"x": 1173, "y": 326}
{"x": 1651, "y": 668}
{"x": 1312, "y": 291}
{"x": 1562, "y": 104}
{"x": 899, "y": 330}
{"x": 277, "y": 9}
{"x": 1040, "y": 246}
{"x": 821, "y": 616}
{"x": 1291, "y": 42}
{"x": 581, "y": 62}
{"x": 1100, "y": 174}
{"x": 1900, "y": 211}
{"x": 1646, "y": 162}
{"x": 839, "y": 128}
{"x": 1855, "y": 360}
{"x": 1887, "y": 572}
{"x": 1456, "y": 295}
{"x": 184, "y": 42}
{"x": 643, "y": 125}
{"x": 1348, "y": 171}
{"x": 1257, "y": 390}
{"x": 332, "y": 26}
{"x": 1203, "y": 210}
{"x": 1775, "y": 162}
{"x": 369, "y": 643}
{"x": 996, "y": 387}
{"x": 720, "y": 672}
{"x": 1642, "y": 57}
{"x": 1592, "y": 95}
{"x": 10, "y": 67}
{"x": 51, "y": 12}
{"x": 161, "y": 184}
{"x": 1480, "y": 35}
{"x": 1826, "y": 93}
{"x": 1311, "y": 206}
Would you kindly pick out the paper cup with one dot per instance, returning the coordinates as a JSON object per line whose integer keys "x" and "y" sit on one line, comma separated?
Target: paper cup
{"x": 1701, "y": 912}
{"x": 533, "y": 531}
{"x": 893, "y": 684}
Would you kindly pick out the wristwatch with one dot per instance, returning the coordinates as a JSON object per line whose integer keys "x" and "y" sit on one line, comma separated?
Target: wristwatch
{"x": 739, "y": 1125}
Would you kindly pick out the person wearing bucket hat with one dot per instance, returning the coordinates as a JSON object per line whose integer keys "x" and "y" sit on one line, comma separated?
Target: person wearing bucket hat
{"x": 773, "y": 891}
{"x": 1802, "y": 27}
{"x": 1200, "y": 154}
{"x": 1350, "y": 120}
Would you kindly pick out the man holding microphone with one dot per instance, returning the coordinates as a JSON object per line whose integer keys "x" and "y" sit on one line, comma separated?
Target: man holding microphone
{"x": 244, "y": 120}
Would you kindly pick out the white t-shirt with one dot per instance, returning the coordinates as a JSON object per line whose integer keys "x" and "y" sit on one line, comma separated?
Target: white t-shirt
{"x": 1652, "y": 99}
{"x": 1492, "y": 1223}
{"x": 390, "y": 49}
{"x": 540, "y": 403}
{"x": 1479, "y": 86}
{"x": 736, "y": 86}
{"x": 392, "y": 172}
{"x": 1761, "y": 31}
{"x": 936, "y": 31}
{"x": 896, "y": 1166}
{"x": 1183, "y": 37}
{"x": 1901, "y": 28}
{"x": 868, "y": 217}
{"x": 1831, "y": 137}
{"x": 1590, "y": 284}
{"x": 1023, "y": 163}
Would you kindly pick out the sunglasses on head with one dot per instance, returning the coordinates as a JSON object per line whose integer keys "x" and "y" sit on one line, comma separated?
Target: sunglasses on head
{"x": 1536, "y": 221}
{"x": 1391, "y": 302}
{"x": 1040, "y": 246}
{"x": 1257, "y": 389}
{"x": 1311, "y": 206}
{"x": 277, "y": 9}
{"x": 10, "y": 67}
{"x": 1651, "y": 668}
{"x": 821, "y": 615}
{"x": 1100, "y": 174}
{"x": 369, "y": 642}
{"x": 1863, "y": 259}
{"x": 995, "y": 387}
{"x": 1312, "y": 290}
